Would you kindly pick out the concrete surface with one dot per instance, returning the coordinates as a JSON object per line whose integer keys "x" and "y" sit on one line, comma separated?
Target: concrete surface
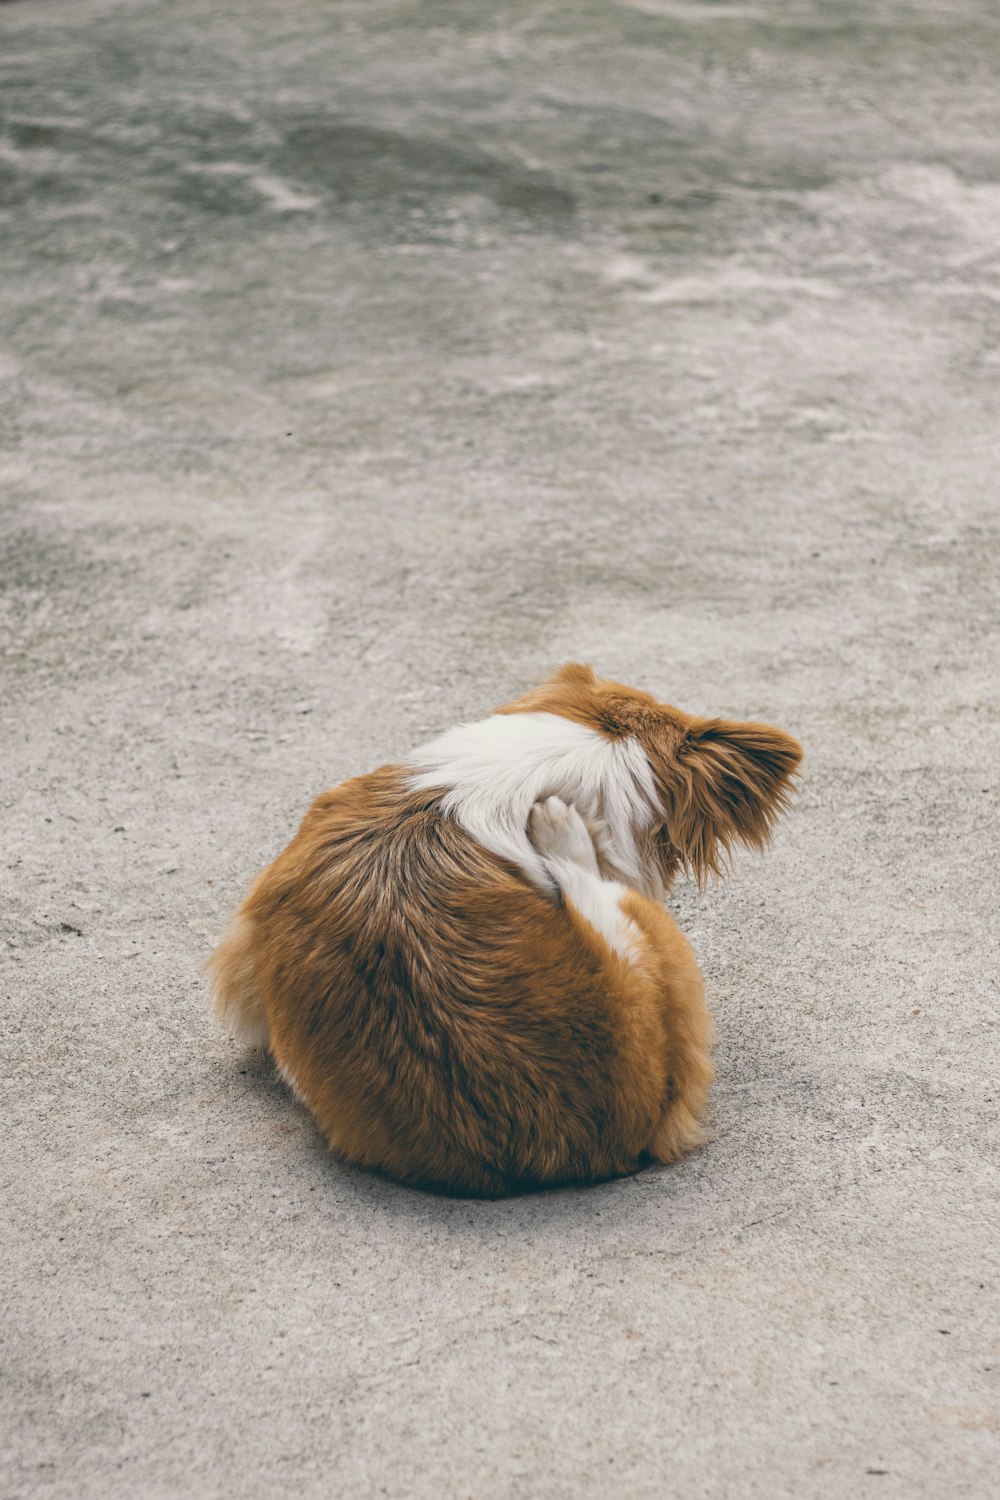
{"x": 362, "y": 358}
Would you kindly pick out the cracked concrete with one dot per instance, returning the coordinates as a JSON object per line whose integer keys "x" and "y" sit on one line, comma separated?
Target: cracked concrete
{"x": 359, "y": 361}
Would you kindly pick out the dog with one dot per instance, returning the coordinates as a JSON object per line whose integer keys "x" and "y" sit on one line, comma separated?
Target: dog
{"x": 462, "y": 963}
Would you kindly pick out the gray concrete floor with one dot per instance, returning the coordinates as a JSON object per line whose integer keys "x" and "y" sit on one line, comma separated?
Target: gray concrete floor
{"x": 361, "y": 359}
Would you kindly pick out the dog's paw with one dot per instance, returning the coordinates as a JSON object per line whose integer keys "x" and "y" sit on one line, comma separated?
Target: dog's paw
{"x": 558, "y": 832}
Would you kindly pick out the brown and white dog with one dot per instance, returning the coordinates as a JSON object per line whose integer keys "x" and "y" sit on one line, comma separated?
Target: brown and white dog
{"x": 462, "y": 963}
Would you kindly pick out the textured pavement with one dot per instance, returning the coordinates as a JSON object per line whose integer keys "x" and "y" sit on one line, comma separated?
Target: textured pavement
{"x": 360, "y": 360}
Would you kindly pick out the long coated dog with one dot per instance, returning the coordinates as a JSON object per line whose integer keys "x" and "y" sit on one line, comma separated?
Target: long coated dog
{"x": 462, "y": 963}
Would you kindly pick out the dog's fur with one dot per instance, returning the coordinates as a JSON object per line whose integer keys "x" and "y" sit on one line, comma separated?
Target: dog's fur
{"x": 462, "y": 964}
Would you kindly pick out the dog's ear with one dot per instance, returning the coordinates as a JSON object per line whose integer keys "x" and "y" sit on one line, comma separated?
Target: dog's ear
{"x": 569, "y": 691}
{"x": 574, "y": 674}
{"x": 725, "y": 783}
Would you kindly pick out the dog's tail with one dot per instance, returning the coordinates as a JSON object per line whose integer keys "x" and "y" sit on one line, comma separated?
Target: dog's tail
{"x": 236, "y": 993}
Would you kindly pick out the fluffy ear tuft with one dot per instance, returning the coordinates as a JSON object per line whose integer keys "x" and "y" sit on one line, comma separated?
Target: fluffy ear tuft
{"x": 570, "y": 691}
{"x": 575, "y": 674}
{"x": 726, "y": 784}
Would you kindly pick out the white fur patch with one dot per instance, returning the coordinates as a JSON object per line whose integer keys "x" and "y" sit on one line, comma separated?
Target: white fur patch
{"x": 289, "y": 1079}
{"x": 495, "y": 770}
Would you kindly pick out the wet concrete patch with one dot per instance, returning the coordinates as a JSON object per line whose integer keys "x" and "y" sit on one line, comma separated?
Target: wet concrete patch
{"x": 393, "y": 170}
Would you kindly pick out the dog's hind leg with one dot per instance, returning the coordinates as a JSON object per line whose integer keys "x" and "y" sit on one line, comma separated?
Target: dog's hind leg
{"x": 563, "y": 839}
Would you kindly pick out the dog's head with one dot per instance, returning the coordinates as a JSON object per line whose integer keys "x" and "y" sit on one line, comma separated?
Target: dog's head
{"x": 720, "y": 782}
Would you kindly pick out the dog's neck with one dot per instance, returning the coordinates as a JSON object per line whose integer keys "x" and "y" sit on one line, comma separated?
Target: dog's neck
{"x": 493, "y": 771}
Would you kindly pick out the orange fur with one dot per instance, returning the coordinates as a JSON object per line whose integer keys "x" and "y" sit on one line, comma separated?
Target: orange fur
{"x": 453, "y": 1025}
